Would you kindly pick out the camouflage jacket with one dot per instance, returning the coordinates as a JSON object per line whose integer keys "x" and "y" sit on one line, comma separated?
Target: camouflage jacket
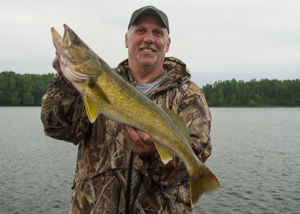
{"x": 103, "y": 154}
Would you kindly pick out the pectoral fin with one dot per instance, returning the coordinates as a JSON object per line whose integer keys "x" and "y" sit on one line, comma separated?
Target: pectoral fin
{"x": 91, "y": 109}
{"x": 164, "y": 153}
{"x": 179, "y": 122}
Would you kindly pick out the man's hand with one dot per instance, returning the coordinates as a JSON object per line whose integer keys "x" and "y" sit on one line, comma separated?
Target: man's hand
{"x": 56, "y": 66}
{"x": 139, "y": 141}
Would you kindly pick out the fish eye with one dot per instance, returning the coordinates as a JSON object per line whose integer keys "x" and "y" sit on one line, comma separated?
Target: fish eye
{"x": 76, "y": 39}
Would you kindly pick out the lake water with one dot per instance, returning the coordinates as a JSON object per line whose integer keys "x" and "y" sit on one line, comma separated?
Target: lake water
{"x": 256, "y": 157}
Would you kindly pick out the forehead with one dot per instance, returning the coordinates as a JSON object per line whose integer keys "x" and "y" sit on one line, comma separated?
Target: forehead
{"x": 149, "y": 19}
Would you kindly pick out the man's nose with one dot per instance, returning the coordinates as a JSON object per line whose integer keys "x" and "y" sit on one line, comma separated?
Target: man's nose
{"x": 148, "y": 38}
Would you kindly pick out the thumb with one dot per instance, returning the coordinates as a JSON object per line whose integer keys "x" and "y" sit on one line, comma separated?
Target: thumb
{"x": 56, "y": 65}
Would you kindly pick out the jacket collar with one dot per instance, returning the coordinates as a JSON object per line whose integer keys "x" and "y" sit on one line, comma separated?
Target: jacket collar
{"x": 177, "y": 73}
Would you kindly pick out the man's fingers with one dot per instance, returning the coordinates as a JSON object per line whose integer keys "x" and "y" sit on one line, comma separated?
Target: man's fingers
{"x": 139, "y": 141}
{"x": 127, "y": 135}
{"x": 133, "y": 134}
{"x": 56, "y": 65}
{"x": 145, "y": 136}
{"x": 139, "y": 136}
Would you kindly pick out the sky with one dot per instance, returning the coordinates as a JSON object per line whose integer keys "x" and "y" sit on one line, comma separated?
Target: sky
{"x": 217, "y": 39}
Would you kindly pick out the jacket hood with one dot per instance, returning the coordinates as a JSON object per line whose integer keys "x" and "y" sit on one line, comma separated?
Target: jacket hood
{"x": 177, "y": 73}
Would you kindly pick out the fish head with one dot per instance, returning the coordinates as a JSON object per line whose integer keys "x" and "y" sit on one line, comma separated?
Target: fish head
{"x": 78, "y": 62}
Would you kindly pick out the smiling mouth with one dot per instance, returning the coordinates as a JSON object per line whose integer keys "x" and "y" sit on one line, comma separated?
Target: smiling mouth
{"x": 147, "y": 49}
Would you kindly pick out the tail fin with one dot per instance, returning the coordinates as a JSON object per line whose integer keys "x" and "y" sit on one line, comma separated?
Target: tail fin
{"x": 203, "y": 184}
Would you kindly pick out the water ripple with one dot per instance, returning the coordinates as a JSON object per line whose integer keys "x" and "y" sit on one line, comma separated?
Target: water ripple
{"x": 255, "y": 157}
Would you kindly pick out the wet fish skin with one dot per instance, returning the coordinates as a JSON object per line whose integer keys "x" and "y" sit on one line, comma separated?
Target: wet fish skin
{"x": 105, "y": 91}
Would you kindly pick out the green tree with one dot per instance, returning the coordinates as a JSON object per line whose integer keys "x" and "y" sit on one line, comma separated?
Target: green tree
{"x": 28, "y": 98}
{"x": 26, "y": 89}
{"x": 246, "y": 95}
{"x": 15, "y": 100}
{"x": 214, "y": 99}
{"x": 2, "y": 98}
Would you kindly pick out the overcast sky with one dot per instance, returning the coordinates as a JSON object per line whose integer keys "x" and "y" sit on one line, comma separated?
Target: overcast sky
{"x": 217, "y": 39}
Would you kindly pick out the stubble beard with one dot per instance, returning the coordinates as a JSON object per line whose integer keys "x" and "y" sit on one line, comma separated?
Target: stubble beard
{"x": 147, "y": 63}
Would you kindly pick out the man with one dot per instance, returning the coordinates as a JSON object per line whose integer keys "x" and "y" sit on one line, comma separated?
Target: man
{"x": 112, "y": 156}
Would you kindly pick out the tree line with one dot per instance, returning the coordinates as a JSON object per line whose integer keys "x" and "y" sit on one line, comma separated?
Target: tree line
{"x": 263, "y": 93}
{"x": 22, "y": 90}
{"x": 28, "y": 90}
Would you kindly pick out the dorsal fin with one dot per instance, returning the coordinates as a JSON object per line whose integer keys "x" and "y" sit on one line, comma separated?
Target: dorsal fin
{"x": 179, "y": 122}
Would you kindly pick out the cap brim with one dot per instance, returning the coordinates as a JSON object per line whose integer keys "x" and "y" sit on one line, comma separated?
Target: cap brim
{"x": 148, "y": 11}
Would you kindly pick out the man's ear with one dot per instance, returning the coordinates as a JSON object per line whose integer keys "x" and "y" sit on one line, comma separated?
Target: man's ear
{"x": 168, "y": 44}
{"x": 126, "y": 40}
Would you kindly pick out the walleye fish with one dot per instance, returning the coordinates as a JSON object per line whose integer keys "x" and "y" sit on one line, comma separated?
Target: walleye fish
{"x": 105, "y": 91}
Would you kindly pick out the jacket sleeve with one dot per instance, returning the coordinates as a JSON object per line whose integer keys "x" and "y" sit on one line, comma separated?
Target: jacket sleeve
{"x": 63, "y": 115}
{"x": 195, "y": 112}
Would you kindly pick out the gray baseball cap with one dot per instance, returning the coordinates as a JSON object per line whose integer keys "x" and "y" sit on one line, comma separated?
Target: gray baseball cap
{"x": 150, "y": 9}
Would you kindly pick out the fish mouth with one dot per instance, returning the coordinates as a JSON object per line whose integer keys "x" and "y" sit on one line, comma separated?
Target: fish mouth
{"x": 61, "y": 41}
{"x": 62, "y": 44}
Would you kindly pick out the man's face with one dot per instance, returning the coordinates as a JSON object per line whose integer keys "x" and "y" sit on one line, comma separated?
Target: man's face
{"x": 147, "y": 41}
